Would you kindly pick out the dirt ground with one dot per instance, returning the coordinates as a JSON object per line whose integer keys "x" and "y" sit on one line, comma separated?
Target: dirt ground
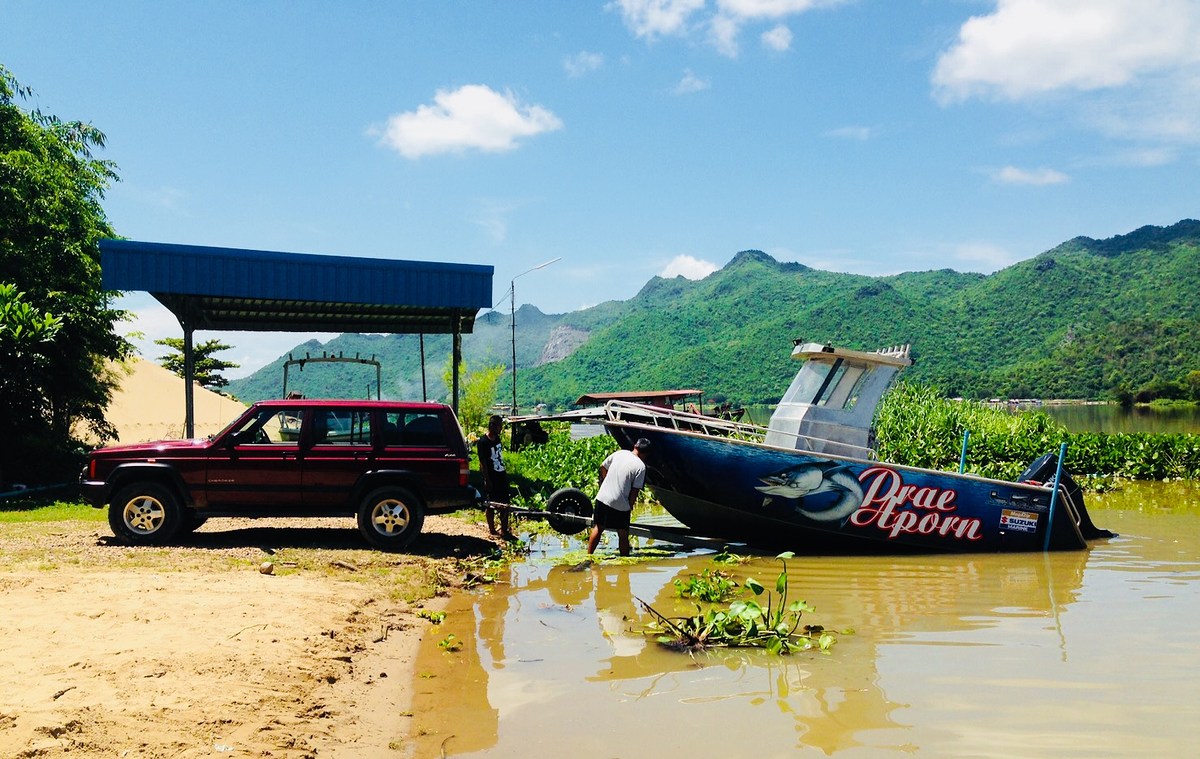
{"x": 194, "y": 651}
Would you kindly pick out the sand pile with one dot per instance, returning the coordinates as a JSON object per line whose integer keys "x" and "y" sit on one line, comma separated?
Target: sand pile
{"x": 150, "y": 405}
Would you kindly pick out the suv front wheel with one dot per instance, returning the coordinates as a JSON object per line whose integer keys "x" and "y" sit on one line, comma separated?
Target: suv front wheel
{"x": 145, "y": 513}
{"x": 390, "y": 518}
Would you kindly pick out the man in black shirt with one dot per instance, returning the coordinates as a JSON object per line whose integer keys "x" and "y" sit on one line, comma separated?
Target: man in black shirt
{"x": 495, "y": 479}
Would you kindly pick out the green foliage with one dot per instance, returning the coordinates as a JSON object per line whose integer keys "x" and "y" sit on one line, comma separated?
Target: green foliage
{"x": 450, "y": 643}
{"x": 916, "y": 426}
{"x": 50, "y": 222}
{"x": 477, "y": 393}
{"x": 711, "y": 585}
{"x": 435, "y": 617}
{"x": 1080, "y": 321}
{"x": 22, "y": 327}
{"x": 558, "y": 463}
{"x": 205, "y": 367}
{"x": 771, "y": 624}
{"x": 37, "y": 507}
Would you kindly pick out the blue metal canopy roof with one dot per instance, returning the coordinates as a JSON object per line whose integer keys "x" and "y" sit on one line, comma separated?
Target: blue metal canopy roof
{"x": 262, "y": 291}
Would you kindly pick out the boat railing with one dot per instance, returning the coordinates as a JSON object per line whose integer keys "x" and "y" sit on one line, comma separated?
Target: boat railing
{"x": 686, "y": 421}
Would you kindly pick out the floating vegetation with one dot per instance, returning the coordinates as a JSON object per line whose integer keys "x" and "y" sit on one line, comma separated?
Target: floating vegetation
{"x": 486, "y": 570}
{"x": 436, "y": 617}
{"x": 711, "y": 585}
{"x": 581, "y": 559}
{"x": 725, "y": 557}
{"x": 776, "y": 626}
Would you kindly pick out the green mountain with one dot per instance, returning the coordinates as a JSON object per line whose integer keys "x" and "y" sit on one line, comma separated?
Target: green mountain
{"x": 1076, "y": 321}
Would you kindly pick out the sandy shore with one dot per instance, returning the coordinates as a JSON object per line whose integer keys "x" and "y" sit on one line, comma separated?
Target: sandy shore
{"x": 191, "y": 651}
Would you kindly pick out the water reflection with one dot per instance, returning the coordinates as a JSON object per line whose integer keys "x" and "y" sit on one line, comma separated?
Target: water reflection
{"x": 1064, "y": 654}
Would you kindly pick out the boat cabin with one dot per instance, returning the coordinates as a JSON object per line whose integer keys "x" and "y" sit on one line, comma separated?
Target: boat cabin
{"x": 657, "y": 398}
{"x": 831, "y": 402}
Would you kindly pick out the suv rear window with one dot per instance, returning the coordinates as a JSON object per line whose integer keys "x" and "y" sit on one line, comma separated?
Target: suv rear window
{"x": 413, "y": 428}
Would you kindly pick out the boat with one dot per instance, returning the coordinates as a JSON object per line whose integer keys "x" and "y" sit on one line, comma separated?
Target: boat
{"x": 810, "y": 481}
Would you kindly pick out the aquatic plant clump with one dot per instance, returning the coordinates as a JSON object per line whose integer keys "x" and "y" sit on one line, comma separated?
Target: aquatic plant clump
{"x": 916, "y": 426}
{"x": 747, "y": 623}
{"x": 710, "y": 585}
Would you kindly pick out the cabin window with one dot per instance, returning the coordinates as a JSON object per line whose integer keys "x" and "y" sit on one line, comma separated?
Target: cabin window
{"x": 809, "y": 382}
{"x": 856, "y": 388}
{"x": 830, "y": 384}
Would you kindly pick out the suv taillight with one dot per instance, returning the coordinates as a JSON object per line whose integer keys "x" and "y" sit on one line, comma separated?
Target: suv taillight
{"x": 464, "y": 468}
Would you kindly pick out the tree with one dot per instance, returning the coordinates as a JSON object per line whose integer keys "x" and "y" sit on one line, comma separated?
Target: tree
{"x": 478, "y": 394}
{"x": 50, "y": 223}
{"x": 22, "y": 328}
{"x": 205, "y": 368}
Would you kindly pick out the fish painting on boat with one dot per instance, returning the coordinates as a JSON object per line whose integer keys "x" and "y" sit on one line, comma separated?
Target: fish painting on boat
{"x": 810, "y": 482}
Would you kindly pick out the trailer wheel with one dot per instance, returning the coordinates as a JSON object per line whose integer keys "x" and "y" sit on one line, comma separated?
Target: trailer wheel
{"x": 570, "y": 502}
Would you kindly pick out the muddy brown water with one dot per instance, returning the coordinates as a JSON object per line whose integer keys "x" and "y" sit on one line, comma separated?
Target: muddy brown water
{"x": 1072, "y": 654}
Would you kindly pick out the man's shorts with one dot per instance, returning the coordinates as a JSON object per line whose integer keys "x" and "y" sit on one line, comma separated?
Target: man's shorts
{"x": 499, "y": 492}
{"x": 608, "y": 518}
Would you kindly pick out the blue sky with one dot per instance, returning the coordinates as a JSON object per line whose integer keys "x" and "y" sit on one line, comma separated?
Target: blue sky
{"x": 631, "y": 138}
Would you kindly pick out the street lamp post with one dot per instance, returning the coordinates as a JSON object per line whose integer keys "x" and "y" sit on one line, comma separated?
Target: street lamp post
{"x": 512, "y": 304}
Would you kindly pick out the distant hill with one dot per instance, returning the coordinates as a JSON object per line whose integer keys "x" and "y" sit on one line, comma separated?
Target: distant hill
{"x": 1076, "y": 321}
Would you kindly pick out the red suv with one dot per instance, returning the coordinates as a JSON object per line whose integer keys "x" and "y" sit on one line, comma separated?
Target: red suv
{"x": 388, "y": 463}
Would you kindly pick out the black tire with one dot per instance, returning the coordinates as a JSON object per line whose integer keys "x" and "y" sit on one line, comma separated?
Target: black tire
{"x": 390, "y": 518}
{"x": 145, "y": 514}
{"x": 569, "y": 501}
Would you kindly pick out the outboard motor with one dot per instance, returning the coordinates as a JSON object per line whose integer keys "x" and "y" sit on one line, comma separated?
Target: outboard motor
{"x": 1041, "y": 472}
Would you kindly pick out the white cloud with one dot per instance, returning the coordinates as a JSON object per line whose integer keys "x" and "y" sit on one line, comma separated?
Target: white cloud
{"x": 688, "y": 267}
{"x": 982, "y": 257}
{"x": 770, "y": 9}
{"x": 778, "y": 38}
{"x": 493, "y": 219}
{"x": 1145, "y": 157}
{"x": 860, "y": 133}
{"x": 583, "y": 63}
{"x": 655, "y": 18}
{"x": 723, "y": 34}
{"x": 472, "y": 117}
{"x": 1038, "y": 177}
{"x": 690, "y": 83}
{"x": 1027, "y": 47}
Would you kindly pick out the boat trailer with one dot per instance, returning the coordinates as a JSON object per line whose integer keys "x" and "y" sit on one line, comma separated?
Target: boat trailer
{"x": 569, "y": 512}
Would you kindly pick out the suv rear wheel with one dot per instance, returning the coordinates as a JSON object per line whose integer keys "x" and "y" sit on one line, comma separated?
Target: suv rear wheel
{"x": 390, "y": 518}
{"x": 145, "y": 513}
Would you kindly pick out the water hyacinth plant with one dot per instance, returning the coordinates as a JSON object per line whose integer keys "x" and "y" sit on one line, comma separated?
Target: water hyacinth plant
{"x": 771, "y": 624}
{"x": 916, "y": 426}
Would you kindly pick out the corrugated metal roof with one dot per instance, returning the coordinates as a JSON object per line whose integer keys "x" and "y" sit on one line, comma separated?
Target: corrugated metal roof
{"x": 255, "y": 290}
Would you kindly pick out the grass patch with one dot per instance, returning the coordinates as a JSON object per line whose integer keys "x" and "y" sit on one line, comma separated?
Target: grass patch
{"x": 19, "y": 510}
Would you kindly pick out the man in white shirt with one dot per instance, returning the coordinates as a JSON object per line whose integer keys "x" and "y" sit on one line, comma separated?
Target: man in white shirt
{"x": 622, "y": 476}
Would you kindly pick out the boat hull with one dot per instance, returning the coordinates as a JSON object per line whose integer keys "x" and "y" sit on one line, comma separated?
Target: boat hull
{"x": 792, "y": 500}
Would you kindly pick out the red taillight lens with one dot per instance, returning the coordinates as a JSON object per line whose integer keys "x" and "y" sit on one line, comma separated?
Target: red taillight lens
{"x": 464, "y": 468}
